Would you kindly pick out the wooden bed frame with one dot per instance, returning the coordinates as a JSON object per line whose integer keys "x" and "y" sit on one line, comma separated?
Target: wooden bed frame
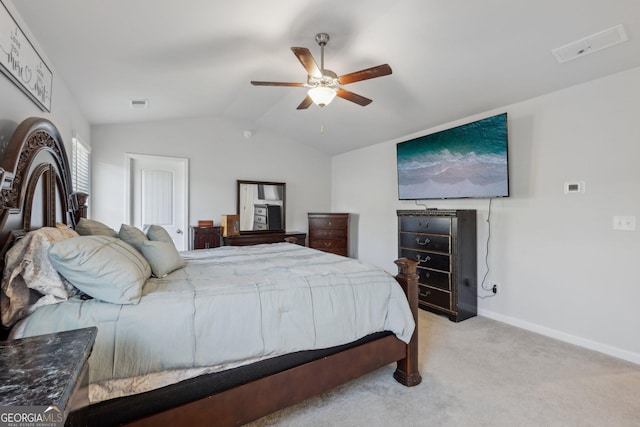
{"x": 36, "y": 192}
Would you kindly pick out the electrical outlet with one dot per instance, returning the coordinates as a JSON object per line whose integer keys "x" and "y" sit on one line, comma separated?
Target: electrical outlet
{"x": 624, "y": 222}
{"x": 494, "y": 288}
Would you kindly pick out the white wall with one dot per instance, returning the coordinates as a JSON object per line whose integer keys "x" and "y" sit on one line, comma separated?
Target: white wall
{"x": 561, "y": 269}
{"x": 16, "y": 106}
{"x": 218, "y": 154}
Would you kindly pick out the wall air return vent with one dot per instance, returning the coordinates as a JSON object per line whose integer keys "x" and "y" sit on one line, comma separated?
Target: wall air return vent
{"x": 591, "y": 44}
{"x": 139, "y": 103}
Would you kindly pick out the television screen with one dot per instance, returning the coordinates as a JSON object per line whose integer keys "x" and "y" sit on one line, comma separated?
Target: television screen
{"x": 467, "y": 161}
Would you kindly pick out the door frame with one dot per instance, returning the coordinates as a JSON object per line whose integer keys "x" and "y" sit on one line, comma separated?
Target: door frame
{"x": 128, "y": 204}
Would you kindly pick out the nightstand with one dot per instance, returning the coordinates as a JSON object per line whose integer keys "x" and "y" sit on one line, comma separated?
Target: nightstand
{"x": 48, "y": 371}
{"x": 204, "y": 237}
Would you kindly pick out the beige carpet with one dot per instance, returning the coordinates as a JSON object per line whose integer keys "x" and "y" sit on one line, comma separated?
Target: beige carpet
{"x": 480, "y": 372}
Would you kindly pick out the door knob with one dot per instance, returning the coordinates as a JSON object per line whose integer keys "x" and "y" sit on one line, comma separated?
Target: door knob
{"x": 179, "y": 231}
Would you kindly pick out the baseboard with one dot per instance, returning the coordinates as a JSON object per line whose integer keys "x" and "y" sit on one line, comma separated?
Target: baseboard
{"x": 563, "y": 336}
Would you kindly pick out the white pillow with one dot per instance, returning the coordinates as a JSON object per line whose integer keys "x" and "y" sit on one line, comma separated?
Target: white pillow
{"x": 162, "y": 256}
{"x": 103, "y": 267}
{"x": 158, "y": 233}
{"x": 132, "y": 235}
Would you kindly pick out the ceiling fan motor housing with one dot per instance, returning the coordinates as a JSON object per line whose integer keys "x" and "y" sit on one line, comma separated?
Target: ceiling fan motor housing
{"x": 328, "y": 79}
{"x": 322, "y": 38}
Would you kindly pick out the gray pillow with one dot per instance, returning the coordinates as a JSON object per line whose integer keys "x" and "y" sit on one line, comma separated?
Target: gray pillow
{"x": 162, "y": 256}
{"x": 158, "y": 233}
{"x": 103, "y": 267}
{"x": 132, "y": 235}
{"x": 91, "y": 227}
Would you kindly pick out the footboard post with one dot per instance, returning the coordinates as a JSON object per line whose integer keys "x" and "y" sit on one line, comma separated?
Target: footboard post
{"x": 407, "y": 371}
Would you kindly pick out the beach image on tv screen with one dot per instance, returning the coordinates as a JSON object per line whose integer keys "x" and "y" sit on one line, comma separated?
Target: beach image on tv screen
{"x": 462, "y": 162}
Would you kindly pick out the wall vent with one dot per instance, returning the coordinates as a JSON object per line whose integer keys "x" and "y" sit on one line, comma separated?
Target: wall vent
{"x": 139, "y": 103}
{"x": 591, "y": 44}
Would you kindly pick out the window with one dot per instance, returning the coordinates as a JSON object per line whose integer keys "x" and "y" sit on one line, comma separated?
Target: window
{"x": 80, "y": 162}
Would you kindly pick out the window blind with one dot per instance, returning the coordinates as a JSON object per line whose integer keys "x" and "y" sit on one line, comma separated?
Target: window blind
{"x": 80, "y": 166}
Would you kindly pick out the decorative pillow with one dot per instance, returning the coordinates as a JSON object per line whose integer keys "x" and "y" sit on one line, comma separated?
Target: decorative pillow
{"x": 132, "y": 235}
{"x": 162, "y": 256}
{"x": 91, "y": 227}
{"x": 30, "y": 280}
{"x": 158, "y": 234}
{"x": 103, "y": 267}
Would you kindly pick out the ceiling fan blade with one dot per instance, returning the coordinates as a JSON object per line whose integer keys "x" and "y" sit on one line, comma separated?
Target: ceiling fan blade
{"x": 307, "y": 61}
{"x": 276, "y": 84}
{"x": 305, "y": 103}
{"x": 369, "y": 73}
{"x": 353, "y": 97}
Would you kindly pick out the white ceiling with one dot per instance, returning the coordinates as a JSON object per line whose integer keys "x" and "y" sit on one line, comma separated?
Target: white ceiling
{"x": 194, "y": 58}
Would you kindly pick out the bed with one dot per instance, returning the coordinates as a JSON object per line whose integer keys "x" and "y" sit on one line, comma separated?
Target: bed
{"x": 225, "y": 389}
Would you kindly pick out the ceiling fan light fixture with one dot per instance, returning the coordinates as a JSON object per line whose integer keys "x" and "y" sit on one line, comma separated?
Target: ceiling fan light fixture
{"x": 321, "y": 95}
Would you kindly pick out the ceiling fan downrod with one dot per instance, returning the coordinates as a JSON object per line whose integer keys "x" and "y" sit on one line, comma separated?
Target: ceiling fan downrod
{"x": 322, "y": 39}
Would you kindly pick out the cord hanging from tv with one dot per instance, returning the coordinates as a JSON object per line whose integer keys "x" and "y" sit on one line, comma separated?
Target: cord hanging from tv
{"x": 467, "y": 161}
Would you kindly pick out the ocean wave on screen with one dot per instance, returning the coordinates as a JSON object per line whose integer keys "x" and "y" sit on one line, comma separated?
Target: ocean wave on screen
{"x": 452, "y": 167}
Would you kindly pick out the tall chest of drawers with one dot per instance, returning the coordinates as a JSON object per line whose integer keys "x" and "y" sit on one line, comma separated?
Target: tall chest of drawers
{"x": 445, "y": 244}
{"x": 329, "y": 232}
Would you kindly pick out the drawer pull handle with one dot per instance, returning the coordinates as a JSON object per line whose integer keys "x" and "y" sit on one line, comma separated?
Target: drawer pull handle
{"x": 425, "y": 294}
{"x": 426, "y": 259}
{"x": 329, "y": 223}
{"x": 426, "y": 241}
{"x": 423, "y": 225}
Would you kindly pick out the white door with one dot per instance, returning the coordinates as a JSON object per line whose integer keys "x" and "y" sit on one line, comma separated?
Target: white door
{"x": 157, "y": 194}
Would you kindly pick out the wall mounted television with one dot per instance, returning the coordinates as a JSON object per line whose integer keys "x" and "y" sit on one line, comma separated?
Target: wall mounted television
{"x": 467, "y": 161}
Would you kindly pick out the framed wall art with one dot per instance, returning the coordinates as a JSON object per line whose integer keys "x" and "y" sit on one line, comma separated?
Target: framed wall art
{"x": 22, "y": 64}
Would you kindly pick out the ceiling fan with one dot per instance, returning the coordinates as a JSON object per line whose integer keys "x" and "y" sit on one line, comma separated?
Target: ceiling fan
{"x": 324, "y": 84}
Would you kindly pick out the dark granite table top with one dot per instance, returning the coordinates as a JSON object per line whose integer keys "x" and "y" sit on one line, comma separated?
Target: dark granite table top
{"x": 43, "y": 370}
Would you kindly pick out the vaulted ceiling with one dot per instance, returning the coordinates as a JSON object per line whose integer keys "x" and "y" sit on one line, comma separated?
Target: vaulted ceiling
{"x": 195, "y": 58}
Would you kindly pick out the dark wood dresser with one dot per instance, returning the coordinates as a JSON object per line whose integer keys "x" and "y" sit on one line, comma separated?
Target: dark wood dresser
{"x": 445, "y": 244}
{"x": 204, "y": 237}
{"x": 258, "y": 238}
{"x": 329, "y": 232}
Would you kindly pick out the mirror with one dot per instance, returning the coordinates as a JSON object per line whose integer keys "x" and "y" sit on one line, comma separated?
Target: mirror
{"x": 261, "y": 206}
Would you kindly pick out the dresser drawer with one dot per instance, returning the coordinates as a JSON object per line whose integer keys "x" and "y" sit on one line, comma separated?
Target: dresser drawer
{"x": 422, "y": 224}
{"x": 425, "y": 242}
{"x": 336, "y": 251}
{"x": 316, "y": 233}
{"x": 327, "y": 244}
{"x": 259, "y": 210}
{"x": 434, "y": 296}
{"x": 429, "y": 259}
{"x": 328, "y": 223}
{"x": 437, "y": 279}
{"x": 259, "y": 226}
{"x": 260, "y": 219}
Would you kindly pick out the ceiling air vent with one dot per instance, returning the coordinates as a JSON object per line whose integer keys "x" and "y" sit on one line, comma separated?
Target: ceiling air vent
{"x": 139, "y": 103}
{"x": 591, "y": 44}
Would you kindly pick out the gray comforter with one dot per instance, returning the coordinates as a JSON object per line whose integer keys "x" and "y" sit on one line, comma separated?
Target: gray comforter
{"x": 232, "y": 304}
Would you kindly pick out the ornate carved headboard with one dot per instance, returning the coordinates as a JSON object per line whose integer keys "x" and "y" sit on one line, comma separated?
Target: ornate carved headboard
{"x": 35, "y": 183}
